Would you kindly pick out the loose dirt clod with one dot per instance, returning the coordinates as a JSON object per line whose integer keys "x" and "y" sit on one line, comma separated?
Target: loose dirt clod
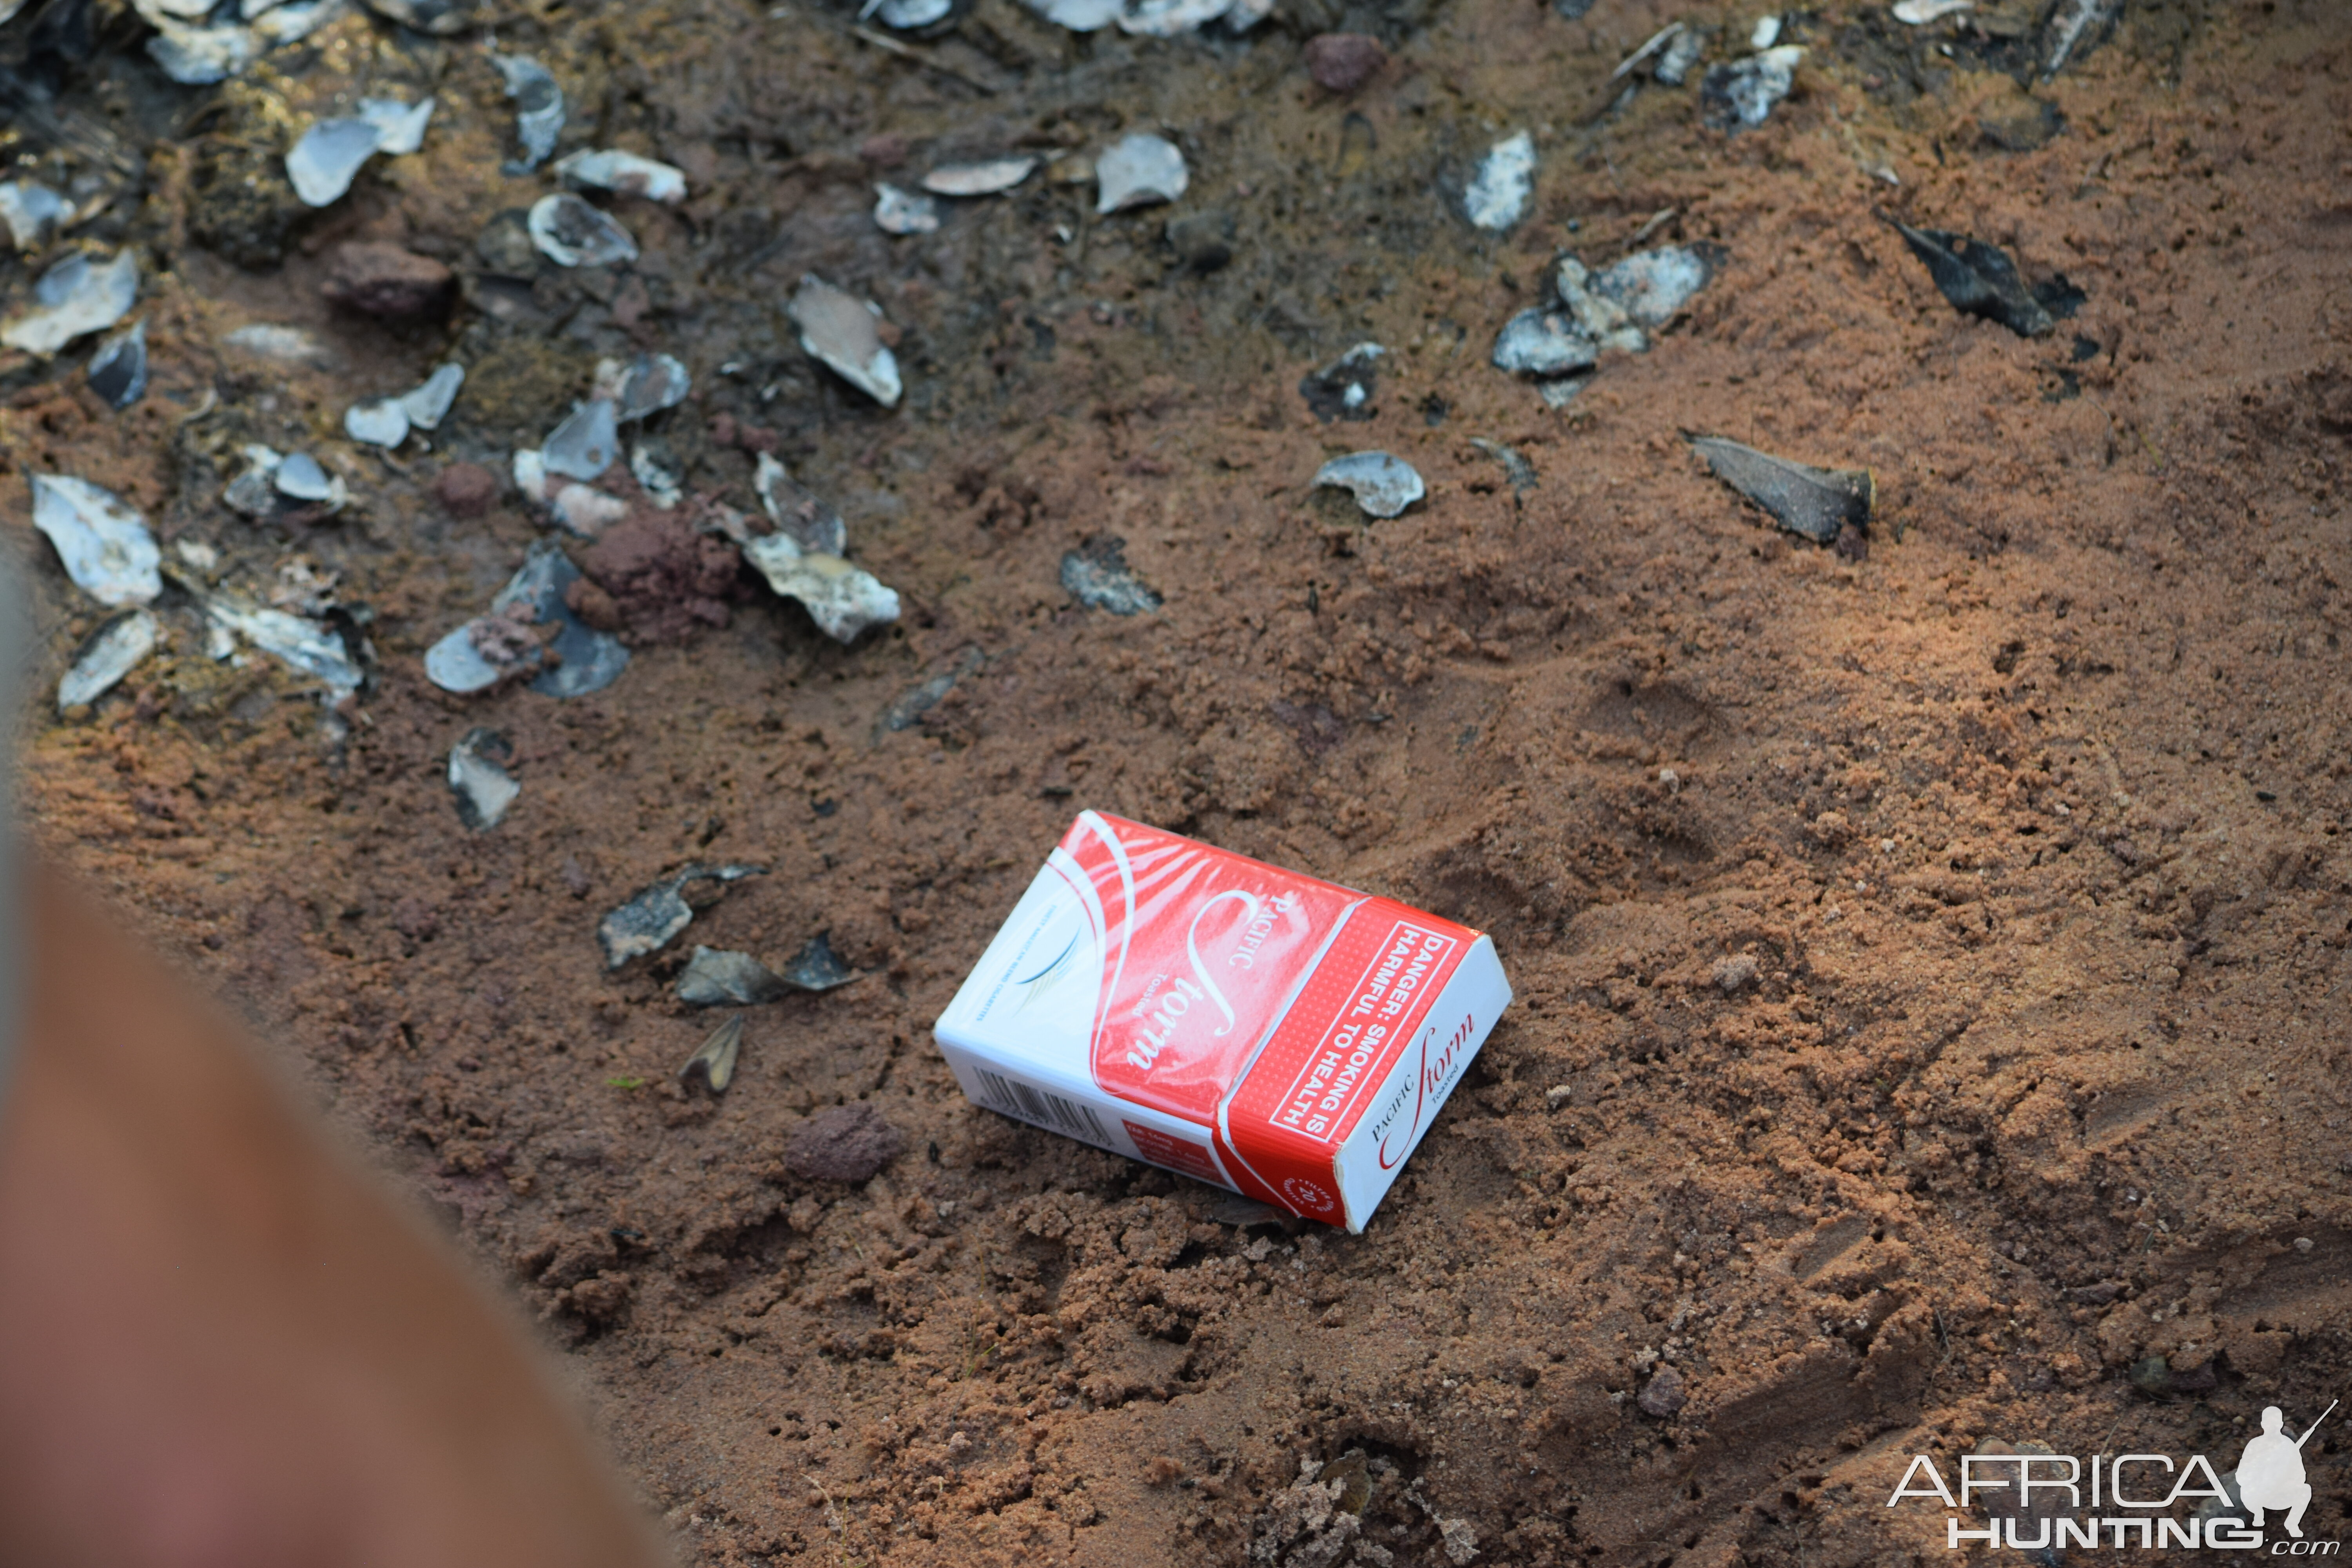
{"x": 1663, "y": 1394}
{"x": 842, "y": 1143}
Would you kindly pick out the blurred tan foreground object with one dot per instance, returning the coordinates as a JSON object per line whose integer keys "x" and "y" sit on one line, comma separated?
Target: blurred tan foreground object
{"x": 219, "y": 1344}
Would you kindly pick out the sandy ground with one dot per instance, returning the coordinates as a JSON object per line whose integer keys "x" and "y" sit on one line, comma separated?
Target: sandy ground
{"x": 1930, "y": 966}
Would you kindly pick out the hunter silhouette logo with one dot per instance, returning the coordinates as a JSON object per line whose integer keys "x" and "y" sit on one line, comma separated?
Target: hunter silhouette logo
{"x": 2270, "y": 1473}
{"x": 2033, "y": 1499}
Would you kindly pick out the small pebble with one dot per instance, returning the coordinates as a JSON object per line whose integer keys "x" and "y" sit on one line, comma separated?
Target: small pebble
{"x": 1663, "y": 1395}
{"x": 1342, "y": 62}
{"x": 386, "y": 281}
{"x": 465, "y": 490}
{"x": 842, "y": 1143}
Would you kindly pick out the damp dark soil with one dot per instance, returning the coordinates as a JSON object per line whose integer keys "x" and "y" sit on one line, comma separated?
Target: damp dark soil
{"x": 1930, "y": 953}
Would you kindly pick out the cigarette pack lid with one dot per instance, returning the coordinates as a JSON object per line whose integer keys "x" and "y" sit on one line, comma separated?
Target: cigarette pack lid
{"x": 1226, "y": 1017}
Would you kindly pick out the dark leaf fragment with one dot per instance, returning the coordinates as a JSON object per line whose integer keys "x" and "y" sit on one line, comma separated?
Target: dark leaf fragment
{"x": 1980, "y": 279}
{"x": 1820, "y": 503}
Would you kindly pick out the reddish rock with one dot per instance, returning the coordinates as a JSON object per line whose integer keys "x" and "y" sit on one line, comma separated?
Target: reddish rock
{"x": 384, "y": 281}
{"x": 843, "y": 1143}
{"x": 656, "y": 579}
{"x": 886, "y": 151}
{"x": 1342, "y": 62}
{"x": 465, "y": 490}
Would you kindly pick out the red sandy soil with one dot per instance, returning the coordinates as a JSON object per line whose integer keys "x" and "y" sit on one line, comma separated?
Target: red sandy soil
{"x": 1930, "y": 966}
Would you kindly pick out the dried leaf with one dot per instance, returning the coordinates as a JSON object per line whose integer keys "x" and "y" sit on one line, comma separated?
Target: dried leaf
{"x": 1980, "y": 279}
{"x": 715, "y": 1061}
{"x": 1816, "y": 502}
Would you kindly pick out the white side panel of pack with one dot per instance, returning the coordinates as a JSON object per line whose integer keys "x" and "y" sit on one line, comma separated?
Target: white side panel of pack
{"x": 1416, "y": 1088}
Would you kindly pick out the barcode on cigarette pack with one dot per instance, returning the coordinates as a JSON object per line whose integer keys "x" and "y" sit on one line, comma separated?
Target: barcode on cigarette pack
{"x": 1014, "y": 1097}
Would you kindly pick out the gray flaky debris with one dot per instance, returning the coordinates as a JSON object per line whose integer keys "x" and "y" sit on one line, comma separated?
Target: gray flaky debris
{"x": 104, "y": 544}
{"x": 32, "y": 213}
{"x": 1819, "y": 503}
{"x": 300, "y": 477}
{"x": 322, "y": 163}
{"x": 304, "y": 646}
{"x": 1739, "y": 95}
{"x": 904, "y": 211}
{"x": 844, "y": 600}
{"x": 1497, "y": 194}
{"x": 986, "y": 179}
{"x": 111, "y": 653}
{"x": 1169, "y": 19}
{"x": 1653, "y": 286}
{"x": 813, "y": 525}
{"x": 586, "y": 659}
{"x": 1544, "y": 343}
{"x": 427, "y": 403}
{"x": 659, "y": 913}
{"x": 1097, "y": 575}
{"x": 714, "y": 1061}
{"x": 1343, "y": 389}
{"x": 199, "y": 56}
{"x": 584, "y": 444}
{"x": 1920, "y": 12}
{"x": 1383, "y": 483}
{"x": 1138, "y": 171}
{"x": 843, "y": 332}
{"x": 480, "y": 787}
{"x": 378, "y": 422}
{"x": 715, "y": 978}
{"x": 2071, "y": 24}
{"x": 624, "y": 173}
{"x": 442, "y": 19}
{"x": 73, "y": 299}
{"x": 538, "y": 108}
{"x": 118, "y": 370}
{"x": 906, "y": 709}
{"x": 1078, "y": 15}
{"x": 570, "y": 233}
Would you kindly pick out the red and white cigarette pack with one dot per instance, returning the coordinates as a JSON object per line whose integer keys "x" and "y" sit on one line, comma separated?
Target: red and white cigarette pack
{"x": 1185, "y": 1006}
